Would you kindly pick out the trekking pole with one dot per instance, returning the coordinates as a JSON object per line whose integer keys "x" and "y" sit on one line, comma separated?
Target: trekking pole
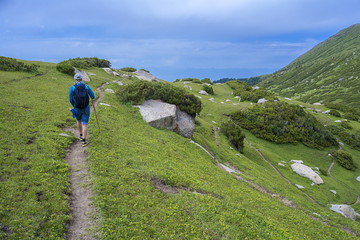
{"x": 96, "y": 118}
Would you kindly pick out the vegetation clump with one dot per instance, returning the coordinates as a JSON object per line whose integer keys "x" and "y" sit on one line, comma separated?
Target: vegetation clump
{"x": 193, "y": 80}
{"x": 129, "y": 69}
{"x": 234, "y": 134}
{"x": 248, "y": 93}
{"x": 344, "y": 159}
{"x": 12, "y": 65}
{"x": 206, "y": 80}
{"x": 68, "y": 66}
{"x": 208, "y": 89}
{"x": 281, "y": 122}
{"x": 139, "y": 91}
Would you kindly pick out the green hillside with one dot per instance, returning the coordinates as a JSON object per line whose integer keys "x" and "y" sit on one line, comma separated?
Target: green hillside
{"x": 327, "y": 73}
{"x": 196, "y": 199}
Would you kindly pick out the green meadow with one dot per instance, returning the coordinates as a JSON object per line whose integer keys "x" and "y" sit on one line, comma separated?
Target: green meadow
{"x": 131, "y": 158}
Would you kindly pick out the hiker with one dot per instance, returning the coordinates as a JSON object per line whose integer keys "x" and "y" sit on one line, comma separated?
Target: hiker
{"x": 79, "y": 98}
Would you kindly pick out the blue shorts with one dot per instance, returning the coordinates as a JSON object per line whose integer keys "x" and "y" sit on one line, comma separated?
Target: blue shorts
{"x": 82, "y": 114}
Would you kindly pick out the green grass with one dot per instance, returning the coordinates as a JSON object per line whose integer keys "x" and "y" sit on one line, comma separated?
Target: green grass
{"x": 34, "y": 177}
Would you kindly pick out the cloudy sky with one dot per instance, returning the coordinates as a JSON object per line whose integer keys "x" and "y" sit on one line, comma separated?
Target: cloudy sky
{"x": 173, "y": 38}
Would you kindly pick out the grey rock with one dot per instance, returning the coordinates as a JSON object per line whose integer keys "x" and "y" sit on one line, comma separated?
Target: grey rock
{"x": 307, "y": 172}
{"x": 64, "y": 135}
{"x": 111, "y": 72}
{"x": 333, "y": 191}
{"x": 345, "y": 210}
{"x": 358, "y": 179}
{"x": 164, "y": 115}
{"x": 299, "y": 186}
{"x": 203, "y": 92}
{"x": 143, "y": 75}
{"x": 109, "y": 90}
{"x": 185, "y": 123}
{"x": 83, "y": 74}
{"x": 262, "y": 101}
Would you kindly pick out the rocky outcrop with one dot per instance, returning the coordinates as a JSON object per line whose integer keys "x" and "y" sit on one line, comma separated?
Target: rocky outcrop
{"x": 111, "y": 72}
{"x": 307, "y": 172}
{"x": 83, "y": 74}
{"x": 143, "y": 75}
{"x": 203, "y": 92}
{"x": 164, "y": 115}
{"x": 345, "y": 210}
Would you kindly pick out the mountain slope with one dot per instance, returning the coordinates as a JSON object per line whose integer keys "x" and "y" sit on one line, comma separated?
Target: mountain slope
{"x": 327, "y": 73}
{"x": 152, "y": 183}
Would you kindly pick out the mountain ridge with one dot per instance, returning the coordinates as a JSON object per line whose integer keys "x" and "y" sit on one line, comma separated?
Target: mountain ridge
{"x": 326, "y": 73}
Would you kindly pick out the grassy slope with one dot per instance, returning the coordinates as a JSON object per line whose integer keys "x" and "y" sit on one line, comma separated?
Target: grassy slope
{"x": 34, "y": 183}
{"x": 328, "y": 72}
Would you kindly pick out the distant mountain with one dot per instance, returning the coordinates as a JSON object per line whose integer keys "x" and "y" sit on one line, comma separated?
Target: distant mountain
{"x": 329, "y": 72}
{"x": 251, "y": 81}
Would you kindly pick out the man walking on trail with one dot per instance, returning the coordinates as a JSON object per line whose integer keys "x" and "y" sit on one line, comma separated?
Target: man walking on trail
{"x": 79, "y": 98}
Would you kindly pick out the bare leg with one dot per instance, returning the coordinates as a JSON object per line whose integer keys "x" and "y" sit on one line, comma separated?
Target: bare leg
{"x": 80, "y": 126}
{"x": 84, "y": 130}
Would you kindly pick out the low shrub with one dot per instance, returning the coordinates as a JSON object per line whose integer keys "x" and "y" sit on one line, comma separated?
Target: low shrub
{"x": 65, "y": 67}
{"x": 128, "y": 69}
{"x": 344, "y": 159}
{"x": 247, "y": 93}
{"x": 139, "y": 91}
{"x": 281, "y": 122}
{"x": 351, "y": 116}
{"x": 234, "y": 134}
{"x": 208, "y": 89}
{"x": 206, "y": 80}
{"x": 335, "y": 113}
{"x": 11, "y": 64}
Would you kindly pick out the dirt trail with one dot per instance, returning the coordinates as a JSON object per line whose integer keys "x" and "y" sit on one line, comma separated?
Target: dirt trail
{"x": 83, "y": 223}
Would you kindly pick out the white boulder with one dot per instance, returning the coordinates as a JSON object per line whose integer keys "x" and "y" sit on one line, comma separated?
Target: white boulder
{"x": 262, "y": 101}
{"x": 345, "y": 210}
{"x": 299, "y": 186}
{"x": 307, "y": 172}
{"x": 358, "y": 179}
{"x": 333, "y": 191}
{"x": 203, "y": 92}
{"x": 144, "y": 75}
{"x": 164, "y": 115}
{"x": 109, "y": 90}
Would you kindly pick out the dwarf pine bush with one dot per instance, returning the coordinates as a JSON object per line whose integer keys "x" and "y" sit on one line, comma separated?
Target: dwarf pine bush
{"x": 139, "y": 91}
{"x": 344, "y": 159}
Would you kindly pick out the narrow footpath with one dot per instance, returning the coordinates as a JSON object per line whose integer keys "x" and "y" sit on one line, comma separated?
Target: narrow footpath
{"x": 82, "y": 225}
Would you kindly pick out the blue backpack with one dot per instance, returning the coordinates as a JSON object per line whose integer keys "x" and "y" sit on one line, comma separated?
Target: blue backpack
{"x": 80, "y": 96}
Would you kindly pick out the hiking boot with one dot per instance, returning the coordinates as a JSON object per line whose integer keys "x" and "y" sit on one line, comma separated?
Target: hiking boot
{"x": 84, "y": 143}
{"x": 81, "y": 138}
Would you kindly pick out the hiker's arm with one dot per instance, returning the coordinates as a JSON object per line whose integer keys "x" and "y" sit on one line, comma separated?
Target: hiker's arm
{"x": 70, "y": 95}
{"x": 90, "y": 92}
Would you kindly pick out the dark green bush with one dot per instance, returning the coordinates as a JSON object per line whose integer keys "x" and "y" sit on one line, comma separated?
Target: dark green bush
{"x": 281, "y": 122}
{"x": 206, "y": 80}
{"x": 323, "y": 171}
{"x": 344, "y": 159}
{"x": 65, "y": 67}
{"x": 11, "y": 64}
{"x": 234, "y": 134}
{"x": 351, "y": 116}
{"x": 247, "y": 93}
{"x": 335, "y": 113}
{"x": 139, "y": 91}
{"x": 208, "y": 89}
{"x": 128, "y": 69}
{"x": 345, "y": 125}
